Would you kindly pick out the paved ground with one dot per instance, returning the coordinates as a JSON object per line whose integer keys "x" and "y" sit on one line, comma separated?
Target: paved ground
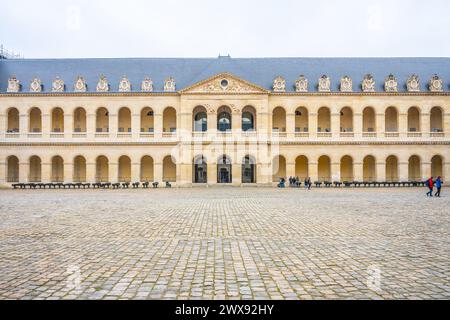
{"x": 224, "y": 243}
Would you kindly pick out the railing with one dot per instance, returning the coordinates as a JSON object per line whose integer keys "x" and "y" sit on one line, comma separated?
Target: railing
{"x": 302, "y": 134}
{"x": 437, "y": 134}
{"x": 391, "y": 134}
{"x": 347, "y": 134}
{"x": 146, "y": 135}
{"x": 414, "y": 134}
{"x": 79, "y": 135}
{"x": 12, "y": 179}
{"x": 12, "y": 135}
{"x": 124, "y": 135}
{"x": 280, "y": 134}
{"x": 102, "y": 134}
{"x": 169, "y": 134}
{"x": 324, "y": 135}
{"x": 34, "y": 134}
{"x": 56, "y": 134}
{"x": 369, "y": 134}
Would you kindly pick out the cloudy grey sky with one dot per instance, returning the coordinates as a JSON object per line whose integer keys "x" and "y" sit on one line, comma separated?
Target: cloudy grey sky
{"x": 241, "y": 28}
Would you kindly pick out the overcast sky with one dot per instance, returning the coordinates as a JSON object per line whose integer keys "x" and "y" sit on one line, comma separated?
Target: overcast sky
{"x": 241, "y": 28}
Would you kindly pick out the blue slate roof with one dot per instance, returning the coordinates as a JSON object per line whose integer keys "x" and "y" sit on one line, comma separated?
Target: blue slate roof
{"x": 188, "y": 71}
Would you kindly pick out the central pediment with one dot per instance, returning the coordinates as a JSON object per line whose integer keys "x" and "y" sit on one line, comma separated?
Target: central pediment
{"x": 224, "y": 83}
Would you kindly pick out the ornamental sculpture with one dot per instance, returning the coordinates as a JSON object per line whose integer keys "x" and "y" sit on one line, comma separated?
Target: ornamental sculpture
{"x": 279, "y": 84}
{"x": 36, "y": 85}
{"x": 324, "y": 84}
{"x": 80, "y": 85}
{"x": 435, "y": 84}
{"x": 368, "y": 83}
{"x": 390, "y": 84}
{"x": 413, "y": 85}
{"x": 301, "y": 84}
{"x": 147, "y": 85}
{"x": 346, "y": 84}
{"x": 124, "y": 85}
{"x": 102, "y": 85}
{"x": 58, "y": 85}
{"x": 169, "y": 85}
{"x": 13, "y": 85}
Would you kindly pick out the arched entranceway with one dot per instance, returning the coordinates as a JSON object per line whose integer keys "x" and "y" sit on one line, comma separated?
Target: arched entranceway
{"x": 369, "y": 169}
{"x": 301, "y": 167}
{"x": 79, "y": 169}
{"x": 392, "y": 169}
{"x": 79, "y": 120}
{"x": 301, "y": 120}
{"x": 199, "y": 169}
{"x": 170, "y": 120}
{"x": 35, "y": 169}
{"x": 147, "y": 120}
{"x": 391, "y": 120}
{"x": 102, "y": 120}
{"x": 346, "y": 168}
{"x": 57, "y": 120}
{"x": 324, "y": 168}
{"x": 102, "y": 169}
{"x": 224, "y": 173}
{"x": 324, "y": 120}
{"x": 248, "y": 170}
{"x": 124, "y": 169}
{"x": 169, "y": 170}
{"x": 124, "y": 120}
{"x": 414, "y": 169}
{"x": 436, "y": 123}
{"x": 13, "y": 120}
{"x": 437, "y": 169}
{"x": 35, "y": 121}
{"x": 346, "y": 119}
{"x": 279, "y": 120}
{"x": 12, "y": 169}
{"x": 369, "y": 120}
{"x": 147, "y": 169}
{"x": 57, "y": 169}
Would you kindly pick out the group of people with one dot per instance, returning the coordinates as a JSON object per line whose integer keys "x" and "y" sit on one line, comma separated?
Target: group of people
{"x": 295, "y": 182}
{"x": 430, "y": 183}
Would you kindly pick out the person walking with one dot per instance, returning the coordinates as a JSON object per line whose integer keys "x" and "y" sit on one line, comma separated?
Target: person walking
{"x": 429, "y": 183}
{"x": 309, "y": 183}
{"x": 438, "y": 184}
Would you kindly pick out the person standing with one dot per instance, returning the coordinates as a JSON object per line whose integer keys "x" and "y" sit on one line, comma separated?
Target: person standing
{"x": 438, "y": 184}
{"x": 309, "y": 183}
{"x": 429, "y": 184}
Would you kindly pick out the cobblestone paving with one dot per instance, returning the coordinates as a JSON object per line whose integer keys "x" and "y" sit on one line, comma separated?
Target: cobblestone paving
{"x": 224, "y": 243}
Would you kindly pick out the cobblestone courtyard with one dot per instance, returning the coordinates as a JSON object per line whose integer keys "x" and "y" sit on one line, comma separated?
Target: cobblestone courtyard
{"x": 224, "y": 243}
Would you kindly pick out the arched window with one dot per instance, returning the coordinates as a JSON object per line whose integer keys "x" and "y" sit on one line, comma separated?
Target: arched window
{"x": 57, "y": 169}
{"x": 301, "y": 120}
{"x": 413, "y": 119}
{"x": 369, "y": 120}
{"x": 391, "y": 120}
{"x": 57, "y": 120}
{"x": 436, "y": 123}
{"x": 248, "y": 119}
{"x": 147, "y": 169}
{"x": 224, "y": 119}
{"x": 35, "y": 120}
{"x": 346, "y": 120}
{"x": 13, "y": 121}
{"x": 147, "y": 120}
{"x": 79, "y": 120}
{"x": 124, "y": 120}
{"x": 200, "y": 170}
{"x": 224, "y": 173}
{"x": 200, "y": 119}
{"x": 279, "y": 120}
{"x": 324, "y": 120}
{"x": 12, "y": 169}
{"x": 248, "y": 170}
{"x": 170, "y": 120}
{"x": 102, "y": 120}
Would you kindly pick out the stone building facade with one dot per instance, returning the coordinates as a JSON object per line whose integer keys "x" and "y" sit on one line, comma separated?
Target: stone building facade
{"x": 224, "y": 121}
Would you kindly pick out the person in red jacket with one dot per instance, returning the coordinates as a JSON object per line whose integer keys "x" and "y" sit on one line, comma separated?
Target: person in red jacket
{"x": 429, "y": 184}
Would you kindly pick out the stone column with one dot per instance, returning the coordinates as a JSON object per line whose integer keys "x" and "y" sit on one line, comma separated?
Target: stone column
{"x": 135, "y": 127}
{"x": 46, "y": 125}
{"x": 335, "y": 124}
{"x": 3, "y": 125}
{"x": 358, "y": 171}
{"x": 381, "y": 171}
{"x": 236, "y": 122}
{"x": 113, "y": 172}
{"x": 212, "y": 172}
{"x": 290, "y": 126}
{"x": 46, "y": 171}
{"x": 212, "y": 122}
{"x": 2, "y": 171}
{"x": 91, "y": 172}
{"x": 380, "y": 124}
{"x": 158, "y": 124}
{"x": 68, "y": 124}
{"x": 425, "y": 124}
{"x": 290, "y": 169}
{"x": 358, "y": 125}
{"x": 68, "y": 172}
{"x": 90, "y": 127}
{"x": 264, "y": 173}
{"x": 425, "y": 169}
{"x": 312, "y": 125}
{"x": 236, "y": 174}
{"x": 403, "y": 171}
{"x": 113, "y": 118}
{"x": 24, "y": 168}
{"x": 313, "y": 171}
{"x": 158, "y": 172}
{"x": 335, "y": 171}
{"x": 23, "y": 125}
{"x": 403, "y": 124}
{"x": 135, "y": 172}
